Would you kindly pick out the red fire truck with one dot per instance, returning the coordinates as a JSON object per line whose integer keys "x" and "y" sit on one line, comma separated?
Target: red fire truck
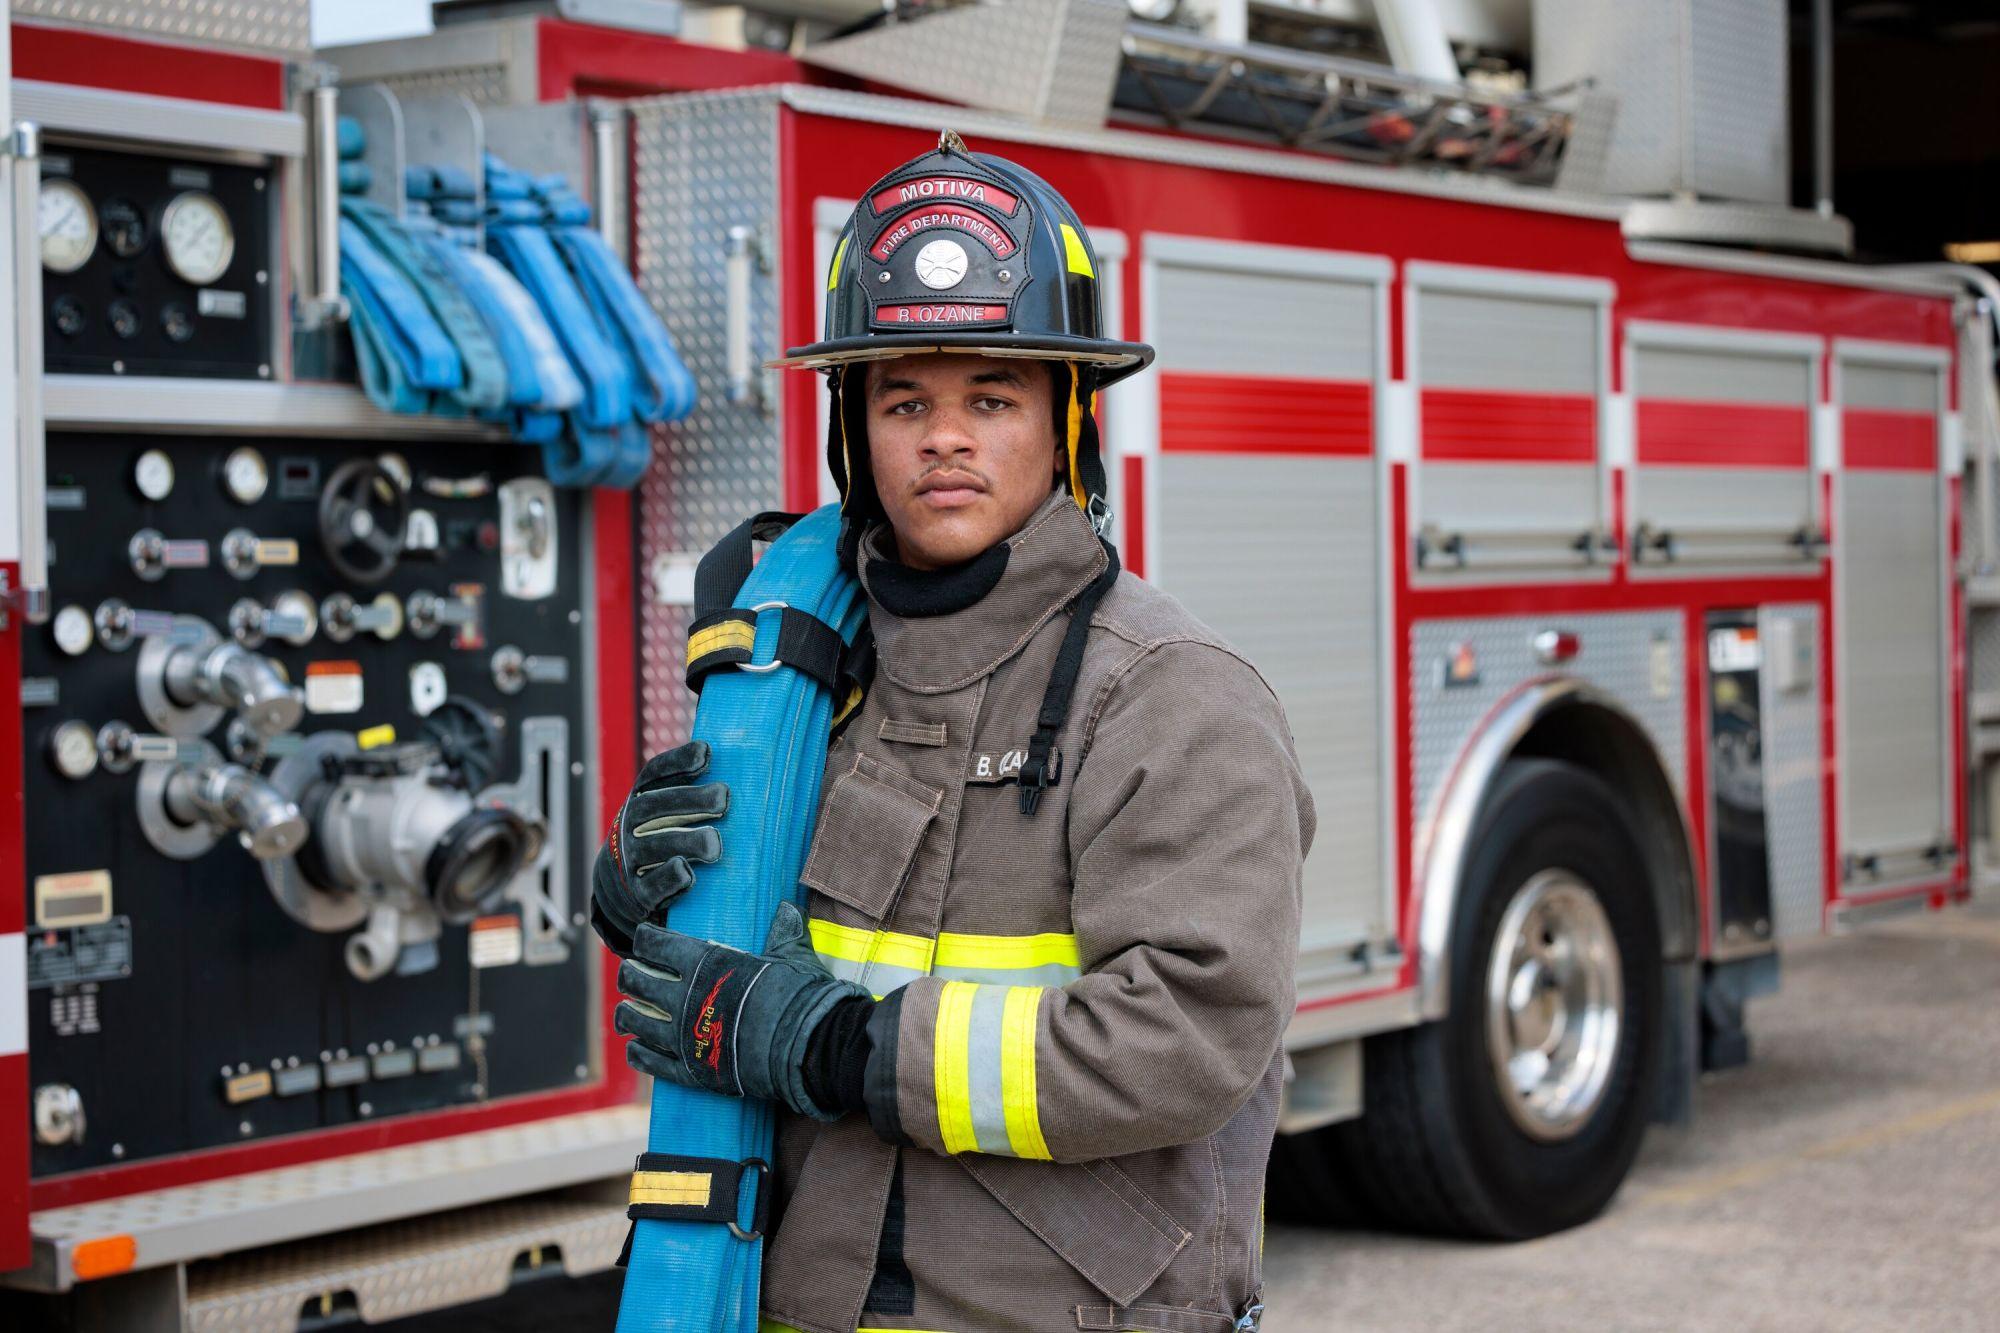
{"x": 1612, "y": 581}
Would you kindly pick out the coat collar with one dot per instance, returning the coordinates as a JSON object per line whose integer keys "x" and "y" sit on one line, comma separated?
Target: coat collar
{"x": 1047, "y": 563}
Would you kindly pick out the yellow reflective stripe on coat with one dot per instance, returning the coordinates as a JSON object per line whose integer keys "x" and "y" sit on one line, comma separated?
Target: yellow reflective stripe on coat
{"x": 885, "y": 961}
{"x": 773, "y": 1326}
{"x": 882, "y": 960}
{"x": 983, "y": 1067}
{"x": 1009, "y": 960}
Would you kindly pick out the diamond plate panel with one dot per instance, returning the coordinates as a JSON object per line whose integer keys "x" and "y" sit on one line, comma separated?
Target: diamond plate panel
{"x": 486, "y": 85}
{"x": 1985, "y": 650}
{"x": 264, "y": 27}
{"x": 1053, "y": 60}
{"x": 405, "y": 1268}
{"x": 1792, "y": 776}
{"x": 1700, "y": 86}
{"x": 702, "y": 165}
{"x": 1634, "y": 658}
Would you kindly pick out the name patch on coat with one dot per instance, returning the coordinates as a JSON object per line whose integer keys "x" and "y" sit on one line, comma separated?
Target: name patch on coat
{"x": 997, "y": 768}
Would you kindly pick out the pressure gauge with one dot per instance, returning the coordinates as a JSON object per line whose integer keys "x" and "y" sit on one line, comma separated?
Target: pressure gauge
{"x": 73, "y": 632}
{"x": 124, "y": 227}
{"x": 199, "y": 240}
{"x": 245, "y": 476}
{"x": 153, "y": 474}
{"x": 68, "y": 224}
{"x": 73, "y": 748}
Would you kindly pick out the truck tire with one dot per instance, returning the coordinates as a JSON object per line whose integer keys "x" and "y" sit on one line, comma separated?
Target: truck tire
{"x": 1307, "y": 1183}
{"x": 1519, "y": 1113}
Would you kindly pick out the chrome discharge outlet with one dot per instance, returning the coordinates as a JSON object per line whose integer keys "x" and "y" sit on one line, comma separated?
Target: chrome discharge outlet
{"x": 231, "y": 676}
{"x": 406, "y": 837}
{"x": 230, "y": 796}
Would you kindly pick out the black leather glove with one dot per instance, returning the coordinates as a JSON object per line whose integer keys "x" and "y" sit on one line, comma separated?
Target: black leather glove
{"x": 708, "y": 1016}
{"x": 663, "y": 825}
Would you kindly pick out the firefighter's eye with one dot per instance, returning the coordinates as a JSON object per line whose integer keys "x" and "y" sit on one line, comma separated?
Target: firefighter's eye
{"x": 907, "y": 408}
{"x": 992, "y": 403}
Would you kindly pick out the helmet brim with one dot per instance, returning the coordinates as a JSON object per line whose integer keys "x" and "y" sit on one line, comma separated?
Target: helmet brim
{"x": 1113, "y": 361}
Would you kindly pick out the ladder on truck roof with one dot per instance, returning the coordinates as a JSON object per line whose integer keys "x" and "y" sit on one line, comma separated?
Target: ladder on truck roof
{"x": 1346, "y": 108}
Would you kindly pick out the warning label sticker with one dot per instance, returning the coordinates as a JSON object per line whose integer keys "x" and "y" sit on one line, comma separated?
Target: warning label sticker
{"x": 495, "y": 941}
{"x": 333, "y": 687}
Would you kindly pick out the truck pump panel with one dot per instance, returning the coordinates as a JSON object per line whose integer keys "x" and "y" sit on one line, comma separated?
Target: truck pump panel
{"x": 301, "y": 803}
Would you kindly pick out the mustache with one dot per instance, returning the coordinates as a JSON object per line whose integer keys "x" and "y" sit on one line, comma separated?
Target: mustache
{"x": 966, "y": 470}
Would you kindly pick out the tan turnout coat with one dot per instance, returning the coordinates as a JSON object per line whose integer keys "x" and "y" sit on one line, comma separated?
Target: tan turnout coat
{"x": 1076, "y": 1069}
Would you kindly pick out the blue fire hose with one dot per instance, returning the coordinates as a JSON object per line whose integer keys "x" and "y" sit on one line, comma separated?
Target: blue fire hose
{"x": 767, "y": 726}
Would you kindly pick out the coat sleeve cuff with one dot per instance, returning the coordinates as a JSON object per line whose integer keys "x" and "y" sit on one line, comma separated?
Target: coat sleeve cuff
{"x": 878, "y": 1079}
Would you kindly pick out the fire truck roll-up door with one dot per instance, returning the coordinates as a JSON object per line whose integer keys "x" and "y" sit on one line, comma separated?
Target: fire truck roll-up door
{"x": 1268, "y": 527}
{"x": 1722, "y": 458}
{"x": 1510, "y": 376}
{"x": 1895, "y": 818}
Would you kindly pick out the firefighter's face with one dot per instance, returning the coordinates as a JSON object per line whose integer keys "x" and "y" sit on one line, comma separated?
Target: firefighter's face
{"x": 963, "y": 448}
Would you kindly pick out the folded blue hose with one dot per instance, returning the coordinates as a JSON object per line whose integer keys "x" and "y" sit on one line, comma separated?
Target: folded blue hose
{"x": 767, "y": 734}
{"x": 405, "y": 354}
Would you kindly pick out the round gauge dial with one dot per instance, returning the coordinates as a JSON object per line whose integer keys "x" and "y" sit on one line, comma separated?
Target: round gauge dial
{"x": 124, "y": 227}
{"x": 126, "y": 321}
{"x": 176, "y": 322}
{"x": 66, "y": 313}
{"x": 68, "y": 224}
{"x": 199, "y": 240}
{"x": 154, "y": 475}
{"x": 73, "y": 631}
{"x": 73, "y": 746}
{"x": 245, "y": 475}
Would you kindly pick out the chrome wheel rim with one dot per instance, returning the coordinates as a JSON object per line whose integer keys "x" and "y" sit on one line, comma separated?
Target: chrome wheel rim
{"x": 1555, "y": 1003}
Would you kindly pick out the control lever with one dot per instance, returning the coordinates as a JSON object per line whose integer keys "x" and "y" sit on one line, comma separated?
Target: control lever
{"x": 429, "y": 611}
{"x": 230, "y": 796}
{"x": 342, "y": 617}
{"x": 118, "y": 625}
{"x": 120, "y": 749}
{"x": 230, "y": 675}
{"x": 152, "y": 555}
{"x": 244, "y": 552}
{"x": 292, "y": 617}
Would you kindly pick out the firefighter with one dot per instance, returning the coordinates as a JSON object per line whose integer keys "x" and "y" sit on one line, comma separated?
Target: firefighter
{"x": 1031, "y": 1030}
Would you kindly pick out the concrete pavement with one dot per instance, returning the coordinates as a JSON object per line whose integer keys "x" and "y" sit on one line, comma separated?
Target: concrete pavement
{"x": 1848, "y": 1178}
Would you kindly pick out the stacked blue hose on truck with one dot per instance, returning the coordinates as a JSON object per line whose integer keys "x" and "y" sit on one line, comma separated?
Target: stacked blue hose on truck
{"x": 767, "y": 730}
{"x": 542, "y": 332}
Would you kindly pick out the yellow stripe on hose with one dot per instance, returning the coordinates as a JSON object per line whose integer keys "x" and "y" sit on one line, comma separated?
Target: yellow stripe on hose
{"x": 951, "y": 1061}
{"x": 1017, "y": 1073}
{"x": 728, "y": 634}
{"x": 681, "y": 1188}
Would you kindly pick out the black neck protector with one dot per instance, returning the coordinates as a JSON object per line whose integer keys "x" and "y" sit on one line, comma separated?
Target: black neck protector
{"x": 911, "y": 592}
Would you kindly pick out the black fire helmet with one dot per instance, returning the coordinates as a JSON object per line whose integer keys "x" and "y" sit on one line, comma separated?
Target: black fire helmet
{"x": 957, "y": 251}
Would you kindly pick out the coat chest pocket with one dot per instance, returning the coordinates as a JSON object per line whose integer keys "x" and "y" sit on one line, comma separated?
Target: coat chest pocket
{"x": 868, "y": 834}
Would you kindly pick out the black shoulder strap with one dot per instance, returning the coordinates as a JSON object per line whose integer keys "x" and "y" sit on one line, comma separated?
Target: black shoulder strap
{"x": 1037, "y": 773}
{"x": 720, "y": 575}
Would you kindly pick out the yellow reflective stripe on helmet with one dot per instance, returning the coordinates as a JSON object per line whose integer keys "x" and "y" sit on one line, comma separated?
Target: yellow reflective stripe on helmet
{"x": 728, "y": 634}
{"x": 688, "y": 1189}
{"x": 840, "y": 252}
{"x": 1076, "y": 252}
{"x": 1017, "y": 1073}
{"x": 951, "y": 1063}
